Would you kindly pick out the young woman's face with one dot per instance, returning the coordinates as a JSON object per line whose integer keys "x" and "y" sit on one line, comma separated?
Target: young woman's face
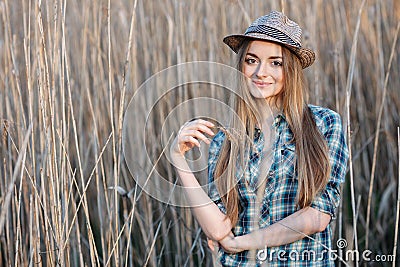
{"x": 263, "y": 68}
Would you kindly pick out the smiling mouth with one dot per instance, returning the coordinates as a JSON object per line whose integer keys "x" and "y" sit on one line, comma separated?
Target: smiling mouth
{"x": 261, "y": 84}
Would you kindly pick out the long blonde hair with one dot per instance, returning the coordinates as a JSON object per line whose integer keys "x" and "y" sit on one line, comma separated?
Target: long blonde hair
{"x": 313, "y": 166}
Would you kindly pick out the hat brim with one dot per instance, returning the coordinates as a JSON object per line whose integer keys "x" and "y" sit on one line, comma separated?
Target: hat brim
{"x": 305, "y": 55}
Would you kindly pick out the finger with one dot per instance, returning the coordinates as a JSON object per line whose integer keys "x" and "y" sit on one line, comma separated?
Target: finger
{"x": 194, "y": 133}
{"x": 207, "y": 123}
{"x": 198, "y": 127}
{"x": 201, "y": 125}
{"x": 199, "y": 136}
{"x": 210, "y": 244}
{"x": 189, "y": 141}
{"x": 215, "y": 243}
{"x": 206, "y": 129}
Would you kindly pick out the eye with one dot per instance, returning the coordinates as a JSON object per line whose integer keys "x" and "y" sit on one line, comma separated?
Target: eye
{"x": 251, "y": 60}
{"x": 276, "y": 63}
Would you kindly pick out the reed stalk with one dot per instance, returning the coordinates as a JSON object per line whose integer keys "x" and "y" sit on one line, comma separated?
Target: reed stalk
{"x": 68, "y": 71}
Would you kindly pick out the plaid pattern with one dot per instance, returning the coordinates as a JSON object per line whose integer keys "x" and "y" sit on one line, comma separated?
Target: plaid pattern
{"x": 279, "y": 199}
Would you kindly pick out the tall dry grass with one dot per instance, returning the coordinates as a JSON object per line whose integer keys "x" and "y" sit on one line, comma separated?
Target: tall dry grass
{"x": 68, "y": 70}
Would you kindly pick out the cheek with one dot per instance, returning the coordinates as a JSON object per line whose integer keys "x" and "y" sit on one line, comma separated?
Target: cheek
{"x": 280, "y": 81}
{"x": 278, "y": 73}
{"x": 248, "y": 71}
{"x": 279, "y": 76}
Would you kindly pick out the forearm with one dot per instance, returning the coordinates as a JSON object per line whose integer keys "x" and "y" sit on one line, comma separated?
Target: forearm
{"x": 300, "y": 224}
{"x": 214, "y": 223}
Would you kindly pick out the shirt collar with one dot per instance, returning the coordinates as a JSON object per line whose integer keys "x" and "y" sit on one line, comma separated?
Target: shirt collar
{"x": 278, "y": 119}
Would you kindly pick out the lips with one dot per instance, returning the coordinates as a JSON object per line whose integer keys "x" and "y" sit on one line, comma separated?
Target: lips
{"x": 261, "y": 84}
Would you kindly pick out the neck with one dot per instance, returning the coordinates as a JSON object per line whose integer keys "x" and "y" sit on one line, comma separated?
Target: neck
{"x": 268, "y": 109}
{"x": 267, "y": 112}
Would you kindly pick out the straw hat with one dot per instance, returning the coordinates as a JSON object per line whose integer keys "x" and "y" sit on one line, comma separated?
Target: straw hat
{"x": 275, "y": 27}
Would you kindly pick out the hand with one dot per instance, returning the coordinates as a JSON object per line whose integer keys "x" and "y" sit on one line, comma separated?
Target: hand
{"x": 190, "y": 135}
{"x": 230, "y": 244}
{"x": 212, "y": 244}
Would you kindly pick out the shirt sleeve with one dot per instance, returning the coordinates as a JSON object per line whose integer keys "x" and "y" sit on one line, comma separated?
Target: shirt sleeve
{"x": 213, "y": 154}
{"x": 328, "y": 200}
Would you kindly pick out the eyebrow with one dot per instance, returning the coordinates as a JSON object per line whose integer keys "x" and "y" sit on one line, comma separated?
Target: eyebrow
{"x": 272, "y": 57}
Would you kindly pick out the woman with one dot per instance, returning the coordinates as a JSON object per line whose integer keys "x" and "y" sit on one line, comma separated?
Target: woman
{"x": 275, "y": 172}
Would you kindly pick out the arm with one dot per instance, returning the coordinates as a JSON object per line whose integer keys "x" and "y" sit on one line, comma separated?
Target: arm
{"x": 309, "y": 220}
{"x": 213, "y": 222}
{"x": 300, "y": 224}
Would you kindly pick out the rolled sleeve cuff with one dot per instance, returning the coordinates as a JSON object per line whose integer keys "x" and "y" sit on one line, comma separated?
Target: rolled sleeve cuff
{"x": 327, "y": 201}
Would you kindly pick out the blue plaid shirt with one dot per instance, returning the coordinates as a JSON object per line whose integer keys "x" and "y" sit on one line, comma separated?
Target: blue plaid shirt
{"x": 279, "y": 199}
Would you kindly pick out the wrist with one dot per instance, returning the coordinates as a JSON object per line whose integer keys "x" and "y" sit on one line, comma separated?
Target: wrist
{"x": 177, "y": 156}
{"x": 175, "y": 151}
{"x": 243, "y": 242}
{"x": 253, "y": 240}
{"x": 261, "y": 241}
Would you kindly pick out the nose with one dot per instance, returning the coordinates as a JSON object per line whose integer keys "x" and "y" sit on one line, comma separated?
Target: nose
{"x": 262, "y": 71}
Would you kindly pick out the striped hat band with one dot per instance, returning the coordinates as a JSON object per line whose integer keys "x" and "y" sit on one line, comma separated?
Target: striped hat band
{"x": 278, "y": 28}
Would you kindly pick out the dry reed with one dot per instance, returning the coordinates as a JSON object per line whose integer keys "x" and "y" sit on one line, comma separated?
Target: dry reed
{"x": 68, "y": 70}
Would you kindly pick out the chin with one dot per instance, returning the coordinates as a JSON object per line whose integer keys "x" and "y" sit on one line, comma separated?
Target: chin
{"x": 261, "y": 95}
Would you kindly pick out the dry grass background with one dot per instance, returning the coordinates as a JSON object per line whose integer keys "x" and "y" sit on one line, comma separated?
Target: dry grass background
{"x": 68, "y": 70}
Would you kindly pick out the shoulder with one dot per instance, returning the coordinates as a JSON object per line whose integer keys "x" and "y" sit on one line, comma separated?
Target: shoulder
{"x": 325, "y": 118}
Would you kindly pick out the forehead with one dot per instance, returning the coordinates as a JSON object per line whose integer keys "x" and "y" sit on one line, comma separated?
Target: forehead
{"x": 265, "y": 48}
